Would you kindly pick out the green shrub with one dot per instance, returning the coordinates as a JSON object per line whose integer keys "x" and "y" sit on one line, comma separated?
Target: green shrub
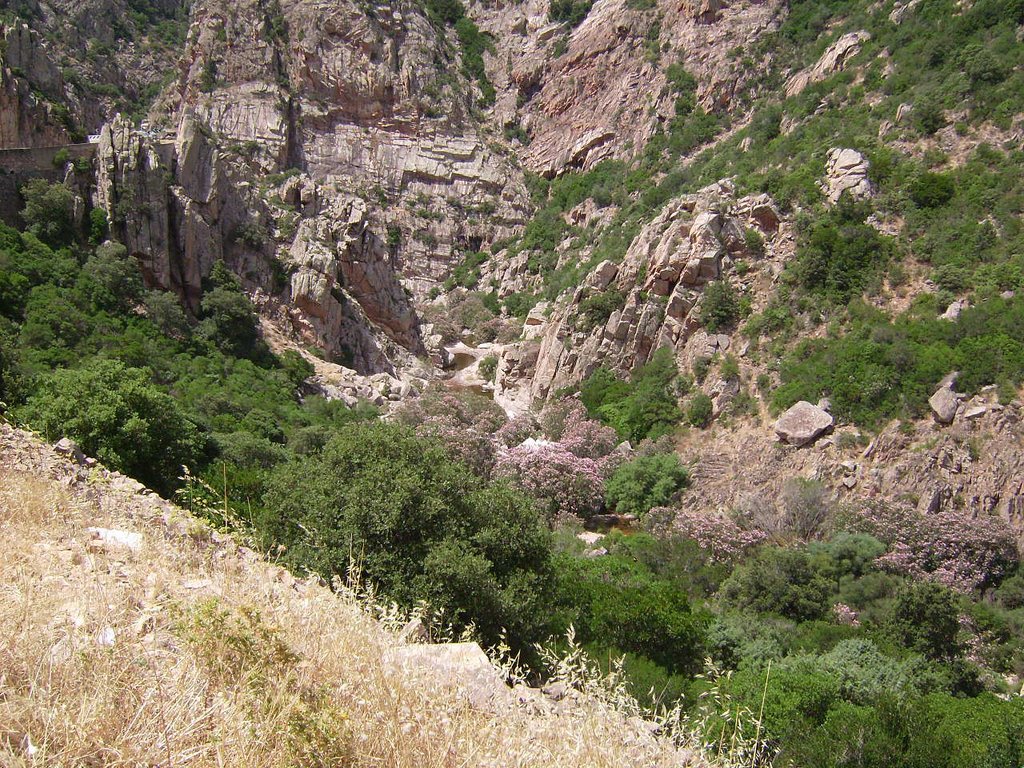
{"x": 754, "y": 242}
{"x": 418, "y": 525}
{"x": 931, "y": 190}
{"x": 571, "y": 12}
{"x": 928, "y": 116}
{"x": 840, "y": 254}
{"x": 700, "y": 411}
{"x": 720, "y": 308}
{"x": 474, "y": 44}
{"x": 881, "y": 368}
{"x": 595, "y": 310}
{"x": 446, "y": 11}
{"x": 643, "y": 407}
{"x": 783, "y": 581}
{"x": 925, "y": 618}
{"x": 646, "y": 482}
{"x": 115, "y": 413}
{"x": 488, "y": 367}
{"x": 467, "y": 272}
{"x": 953, "y": 732}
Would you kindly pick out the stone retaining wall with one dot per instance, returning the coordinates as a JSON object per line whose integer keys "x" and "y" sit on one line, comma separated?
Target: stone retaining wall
{"x": 19, "y": 166}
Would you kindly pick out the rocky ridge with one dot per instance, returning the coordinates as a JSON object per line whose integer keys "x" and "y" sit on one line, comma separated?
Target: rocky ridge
{"x": 695, "y": 240}
{"x": 600, "y": 91}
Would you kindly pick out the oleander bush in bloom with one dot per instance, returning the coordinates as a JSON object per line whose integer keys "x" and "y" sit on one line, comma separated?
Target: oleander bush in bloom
{"x": 567, "y": 422}
{"x": 962, "y": 552}
{"x": 463, "y": 443}
{"x": 720, "y": 536}
{"x": 516, "y": 430}
{"x": 462, "y": 422}
{"x": 844, "y": 614}
{"x": 564, "y": 483}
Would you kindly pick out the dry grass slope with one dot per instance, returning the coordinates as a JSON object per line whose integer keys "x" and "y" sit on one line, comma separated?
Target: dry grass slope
{"x": 189, "y": 650}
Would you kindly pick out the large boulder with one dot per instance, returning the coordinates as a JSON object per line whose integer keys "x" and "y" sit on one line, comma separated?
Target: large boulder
{"x": 846, "y": 170}
{"x": 462, "y": 666}
{"x": 803, "y": 424}
{"x": 944, "y": 405}
{"x": 834, "y": 59}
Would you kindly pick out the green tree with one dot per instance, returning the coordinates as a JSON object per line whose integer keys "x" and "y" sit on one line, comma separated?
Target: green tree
{"x": 48, "y": 212}
{"x": 110, "y": 279}
{"x": 115, "y": 414}
{"x": 418, "y": 525}
{"x": 783, "y": 581}
{"x": 616, "y": 602}
{"x": 10, "y": 365}
{"x": 228, "y": 318}
{"x": 646, "y": 482}
{"x": 925, "y": 618}
{"x": 54, "y": 326}
{"x": 98, "y": 226}
{"x": 164, "y": 310}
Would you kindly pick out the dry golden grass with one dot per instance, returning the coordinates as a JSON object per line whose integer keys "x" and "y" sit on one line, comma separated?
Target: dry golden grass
{"x": 192, "y": 652}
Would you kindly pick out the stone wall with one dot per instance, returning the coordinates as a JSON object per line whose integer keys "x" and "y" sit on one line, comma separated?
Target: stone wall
{"x": 19, "y": 166}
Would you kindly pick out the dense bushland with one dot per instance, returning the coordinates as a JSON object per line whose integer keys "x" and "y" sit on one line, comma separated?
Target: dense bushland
{"x": 379, "y": 499}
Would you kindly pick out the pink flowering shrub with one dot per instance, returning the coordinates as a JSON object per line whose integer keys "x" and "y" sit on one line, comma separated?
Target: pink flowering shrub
{"x": 566, "y": 422}
{"x": 962, "y": 552}
{"x": 515, "y": 431}
{"x": 720, "y": 536}
{"x": 844, "y": 614}
{"x": 564, "y": 483}
{"x": 462, "y": 422}
{"x": 465, "y": 444}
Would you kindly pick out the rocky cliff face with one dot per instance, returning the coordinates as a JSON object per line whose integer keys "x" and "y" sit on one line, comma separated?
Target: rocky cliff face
{"x": 368, "y": 101}
{"x": 180, "y": 206}
{"x": 659, "y": 288}
{"x": 31, "y": 91}
{"x": 68, "y": 66}
{"x": 600, "y": 90}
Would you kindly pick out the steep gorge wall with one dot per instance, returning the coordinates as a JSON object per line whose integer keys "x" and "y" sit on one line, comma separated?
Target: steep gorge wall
{"x": 181, "y": 206}
{"x": 368, "y": 101}
{"x": 600, "y": 90}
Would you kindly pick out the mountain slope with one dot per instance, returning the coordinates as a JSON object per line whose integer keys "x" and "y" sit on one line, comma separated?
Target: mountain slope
{"x": 133, "y": 634}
